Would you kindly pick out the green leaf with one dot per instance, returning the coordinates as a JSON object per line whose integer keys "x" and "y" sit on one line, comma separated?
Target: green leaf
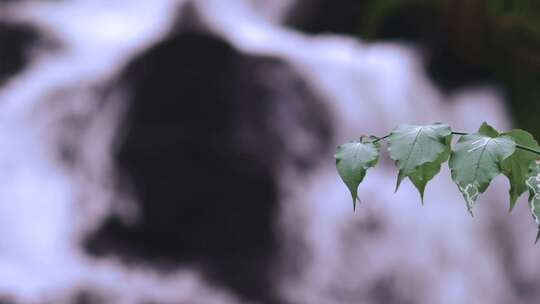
{"x": 516, "y": 167}
{"x": 533, "y": 183}
{"x": 476, "y": 159}
{"x": 488, "y": 130}
{"x": 352, "y": 161}
{"x": 419, "y": 152}
{"x": 427, "y": 171}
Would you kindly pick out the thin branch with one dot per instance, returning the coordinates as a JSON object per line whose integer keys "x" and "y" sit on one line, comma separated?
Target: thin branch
{"x": 537, "y": 152}
{"x": 381, "y": 138}
{"x": 528, "y": 149}
{"x": 522, "y": 147}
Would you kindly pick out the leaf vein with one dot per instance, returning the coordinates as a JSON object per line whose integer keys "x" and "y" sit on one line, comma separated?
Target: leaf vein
{"x": 413, "y": 146}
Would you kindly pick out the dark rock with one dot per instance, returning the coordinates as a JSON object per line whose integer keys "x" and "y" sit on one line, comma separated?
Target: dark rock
{"x": 319, "y": 16}
{"x": 427, "y": 28}
{"x": 15, "y": 42}
{"x": 204, "y": 140}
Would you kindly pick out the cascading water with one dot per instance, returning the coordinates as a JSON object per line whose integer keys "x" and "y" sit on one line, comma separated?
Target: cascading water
{"x": 60, "y": 132}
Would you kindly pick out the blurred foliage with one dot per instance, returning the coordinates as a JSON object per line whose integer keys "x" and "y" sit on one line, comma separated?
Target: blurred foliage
{"x": 497, "y": 39}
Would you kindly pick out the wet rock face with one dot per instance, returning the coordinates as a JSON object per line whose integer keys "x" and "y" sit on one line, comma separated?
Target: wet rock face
{"x": 202, "y": 151}
{"x": 16, "y": 42}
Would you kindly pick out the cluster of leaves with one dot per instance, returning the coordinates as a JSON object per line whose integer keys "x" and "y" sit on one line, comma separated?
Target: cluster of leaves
{"x": 474, "y": 160}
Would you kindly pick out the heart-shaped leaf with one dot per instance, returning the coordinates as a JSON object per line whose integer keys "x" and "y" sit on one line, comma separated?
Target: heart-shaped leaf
{"x": 427, "y": 171}
{"x": 516, "y": 167}
{"x": 476, "y": 159}
{"x": 352, "y": 161}
{"x": 419, "y": 152}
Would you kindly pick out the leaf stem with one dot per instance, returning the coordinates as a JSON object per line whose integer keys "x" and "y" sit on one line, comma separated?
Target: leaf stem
{"x": 537, "y": 152}
{"x": 381, "y": 138}
{"x": 528, "y": 149}
{"x": 522, "y": 147}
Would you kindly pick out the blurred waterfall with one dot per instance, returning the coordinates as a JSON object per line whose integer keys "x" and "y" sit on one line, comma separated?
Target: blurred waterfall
{"x": 391, "y": 250}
